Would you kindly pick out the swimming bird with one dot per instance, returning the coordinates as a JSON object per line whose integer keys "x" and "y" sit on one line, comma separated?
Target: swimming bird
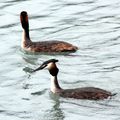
{"x": 90, "y": 93}
{"x": 42, "y": 46}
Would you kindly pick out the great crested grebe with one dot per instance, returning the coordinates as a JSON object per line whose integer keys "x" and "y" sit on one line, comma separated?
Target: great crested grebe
{"x": 90, "y": 93}
{"x": 43, "y": 46}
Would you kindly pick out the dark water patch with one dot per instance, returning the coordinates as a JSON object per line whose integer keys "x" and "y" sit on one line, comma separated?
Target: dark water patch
{"x": 87, "y": 22}
{"x": 42, "y": 28}
{"x": 38, "y": 16}
{"x": 80, "y": 103}
{"x": 71, "y": 3}
{"x": 112, "y": 68}
{"x": 97, "y": 8}
{"x": 102, "y": 6}
{"x": 60, "y": 29}
{"x": 69, "y": 21}
{"x": 74, "y": 82}
{"x": 98, "y": 21}
{"x": 5, "y": 6}
{"x": 54, "y": 8}
{"x": 2, "y": 111}
{"x": 99, "y": 71}
{"x": 117, "y": 28}
{"x": 13, "y": 1}
{"x": 105, "y": 18}
{"x": 91, "y": 10}
{"x": 115, "y": 39}
{"x": 94, "y": 63}
{"x": 29, "y": 60}
{"x": 19, "y": 114}
{"x": 26, "y": 86}
{"x": 27, "y": 99}
{"x": 28, "y": 70}
{"x": 108, "y": 32}
{"x": 107, "y": 105}
{"x": 39, "y": 92}
{"x": 8, "y": 26}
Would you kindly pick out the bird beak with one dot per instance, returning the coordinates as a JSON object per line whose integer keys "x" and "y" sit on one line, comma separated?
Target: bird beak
{"x": 45, "y": 64}
{"x": 40, "y": 68}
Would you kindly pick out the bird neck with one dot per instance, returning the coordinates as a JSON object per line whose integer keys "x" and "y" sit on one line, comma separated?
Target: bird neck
{"x": 25, "y": 38}
{"x": 55, "y": 85}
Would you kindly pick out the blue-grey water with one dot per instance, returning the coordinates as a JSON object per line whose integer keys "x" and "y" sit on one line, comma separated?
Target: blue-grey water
{"x": 93, "y": 26}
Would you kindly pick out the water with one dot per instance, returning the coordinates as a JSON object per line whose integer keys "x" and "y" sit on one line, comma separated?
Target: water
{"x": 92, "y": 25}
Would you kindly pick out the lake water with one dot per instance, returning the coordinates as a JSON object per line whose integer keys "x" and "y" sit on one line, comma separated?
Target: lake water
{"x": 93, "y": 26}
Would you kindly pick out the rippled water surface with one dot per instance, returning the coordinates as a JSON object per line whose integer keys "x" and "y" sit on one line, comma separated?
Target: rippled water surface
{"x": 93, "y": 26}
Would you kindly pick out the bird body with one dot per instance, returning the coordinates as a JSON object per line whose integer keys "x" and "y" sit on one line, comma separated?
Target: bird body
{"x": 90, "y": 93}
{"x": 42, "y": 46}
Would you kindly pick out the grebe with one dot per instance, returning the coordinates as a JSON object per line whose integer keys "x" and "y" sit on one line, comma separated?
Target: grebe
{"x": 43, "y": 46}
{"x": 90, "y": 93}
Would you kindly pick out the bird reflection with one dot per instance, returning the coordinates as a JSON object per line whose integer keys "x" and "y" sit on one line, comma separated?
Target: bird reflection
{"x": 55, "y": 112}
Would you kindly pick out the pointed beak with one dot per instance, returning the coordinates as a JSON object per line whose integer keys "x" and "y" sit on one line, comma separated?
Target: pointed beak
{"x": 44, "y": 65}
{"x": 40, "y": 68}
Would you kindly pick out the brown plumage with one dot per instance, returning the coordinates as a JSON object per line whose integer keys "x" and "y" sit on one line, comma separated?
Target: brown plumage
{"x": 43, "y": 46}
{"x": 90, "y": 93}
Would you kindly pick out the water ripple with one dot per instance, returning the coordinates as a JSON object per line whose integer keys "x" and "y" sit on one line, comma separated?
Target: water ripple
{"x": 93, "y": 26}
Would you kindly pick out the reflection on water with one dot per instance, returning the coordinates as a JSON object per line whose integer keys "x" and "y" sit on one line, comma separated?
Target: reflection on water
{"x": 93, "y": 26}
{"x": 56, "y": 111}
